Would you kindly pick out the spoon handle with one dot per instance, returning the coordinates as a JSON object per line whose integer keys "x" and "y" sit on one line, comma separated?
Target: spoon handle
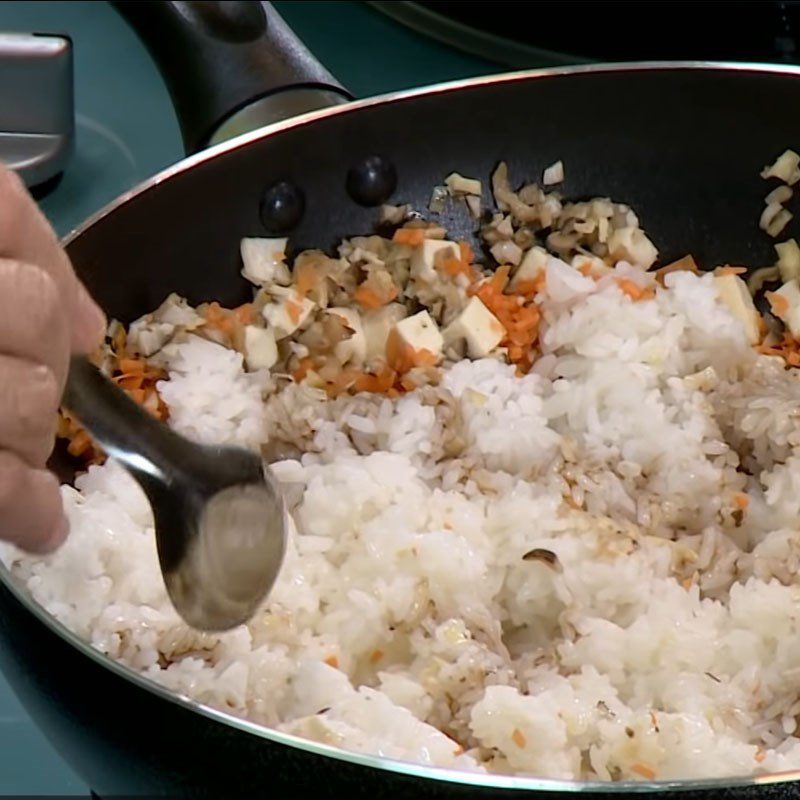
{"x": 120, "y": 426}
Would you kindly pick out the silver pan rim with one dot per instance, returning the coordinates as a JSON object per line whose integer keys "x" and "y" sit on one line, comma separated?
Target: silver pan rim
{"x": 444, "y": 775}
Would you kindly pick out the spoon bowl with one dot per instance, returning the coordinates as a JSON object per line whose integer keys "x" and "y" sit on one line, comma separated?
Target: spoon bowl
{"x": 220, "y": 522}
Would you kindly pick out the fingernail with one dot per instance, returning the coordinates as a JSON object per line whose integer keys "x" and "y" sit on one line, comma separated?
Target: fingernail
{"x": 89, "y": 325}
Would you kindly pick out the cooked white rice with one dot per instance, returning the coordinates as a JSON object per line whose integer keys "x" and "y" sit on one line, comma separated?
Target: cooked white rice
{"x": 662, "y": 642}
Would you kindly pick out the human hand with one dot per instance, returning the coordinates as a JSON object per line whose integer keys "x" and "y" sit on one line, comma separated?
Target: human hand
{"x": 45, "y": 315}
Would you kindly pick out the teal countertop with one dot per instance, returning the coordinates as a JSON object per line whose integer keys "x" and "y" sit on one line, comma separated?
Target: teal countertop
{"x": 127, "y": 131}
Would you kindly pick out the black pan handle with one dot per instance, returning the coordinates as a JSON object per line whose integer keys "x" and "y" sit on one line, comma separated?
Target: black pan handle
{"x": 229, "y": 66}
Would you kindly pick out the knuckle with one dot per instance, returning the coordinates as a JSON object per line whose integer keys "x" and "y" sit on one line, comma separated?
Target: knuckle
{"x": 37, "y": 401}
{"x": 29, "y": 399}
{"x": 31, "y": 288}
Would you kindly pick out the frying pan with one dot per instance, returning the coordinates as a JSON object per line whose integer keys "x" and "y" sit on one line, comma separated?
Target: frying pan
{"x": 682, "y": 143}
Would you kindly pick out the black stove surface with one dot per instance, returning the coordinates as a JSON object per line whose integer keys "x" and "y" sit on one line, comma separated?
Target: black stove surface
{"x": 518, "y": 33}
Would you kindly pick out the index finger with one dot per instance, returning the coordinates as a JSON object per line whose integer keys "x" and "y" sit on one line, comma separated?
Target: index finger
{"x": 26, "y": 236}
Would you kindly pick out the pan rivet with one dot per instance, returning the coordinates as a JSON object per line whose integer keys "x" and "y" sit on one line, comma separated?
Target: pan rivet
{"x": 282, "y": 207}
{"x": 372, "y": 181}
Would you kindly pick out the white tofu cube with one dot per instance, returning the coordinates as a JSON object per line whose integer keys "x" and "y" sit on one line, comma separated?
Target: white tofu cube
{"x": 790, "y": 292}
{"x": 377, "y": 325}
{"x": 631, "y": 244}
{"x": 734, "y": 293}
{"x": 420, "y": 332}
{"x": 288, "y": 312}
{"x": 424, "y": 258}
{"x": 481, "y": 329}
{"x": 531, "y": 267}
{"x": 354, "y": 349}
{"x": 260, "y": 349}
{"x": 265, "y": 261}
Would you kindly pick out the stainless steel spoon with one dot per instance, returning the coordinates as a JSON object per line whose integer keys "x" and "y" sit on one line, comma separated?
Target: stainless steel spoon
{"x": 219, "y": 517}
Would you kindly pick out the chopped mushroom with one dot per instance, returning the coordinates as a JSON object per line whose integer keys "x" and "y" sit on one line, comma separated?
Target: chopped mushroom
{"x": 423, "y": 261}
{"x": 531, "y": 267}
{"x": 734, "y": 293}
{"x": 175, "y": 310}
{"x": 377, "y": 326}
{"x": 780, "y": 194}
{"x": 265, "y": 261}
{"x": 785, "y": 168}
{"x": 260, "y": 349}
{"x": 506, "y": 252}
{"x": 147, "y": 337}
{"x": 785, "y": 303}
{"x": 353, "y": 349}
{"x": 553, "y": 174}
{"x": 546, "y": 557}
{"x": 788, "y": 259}
{"x": 474, "y": 205}
{"x": 458, "y": 184}
{"x": 631, "y": 244}
{"x": 288, "y": 312}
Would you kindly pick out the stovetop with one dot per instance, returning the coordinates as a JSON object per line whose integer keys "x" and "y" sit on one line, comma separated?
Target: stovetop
{"x": 126, "y": 131}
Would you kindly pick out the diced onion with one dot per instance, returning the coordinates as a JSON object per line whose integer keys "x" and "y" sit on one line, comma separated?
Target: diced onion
{"x": 785, "y": 168}
{"x": 553, "y": 174}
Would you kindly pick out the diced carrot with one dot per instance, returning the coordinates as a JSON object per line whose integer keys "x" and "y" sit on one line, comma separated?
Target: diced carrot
{"x": 332, "y": 661}
{"x": 119, "y": 341}
{"x": 633, "y": 290}
{"x": 778, "y": 303}
{"x": 515, "y": 353}
{"x": 500, "y": 278}
{"x": 518, "y": 737}
{"x": 79, "y": 443}
{"x": 305, "y": 279}
{"x": 759, "y": 756}
{"x": 642, "y": 769}
{"x": 413, "y": 237}
{"x": 367, "y": 298}
{"x": 729, "y": 270}
{"x": 294, "y": 311}
{"x": 685, "y": 264}
{"x": 244, "y": 313}
{"x": 131, "y": 366}
{"x": 741, "y": 500}
{"x": 467, "y": 256}
{"x": 453, "y": 268}
{"x": 399, "y": 356}
{"x": 423, "y": 358}
{"x": 138, "y": 395}
{"x": 526, "y": 288}
{"x": 376, "y": 656}
{"x": 130, "y": 381}
{"x": 408, "y": 384}
{"x": 304, "y": 366}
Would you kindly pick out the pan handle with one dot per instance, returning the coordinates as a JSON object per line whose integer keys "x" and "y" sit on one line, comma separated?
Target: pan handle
{"x": 229, "y": 66}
